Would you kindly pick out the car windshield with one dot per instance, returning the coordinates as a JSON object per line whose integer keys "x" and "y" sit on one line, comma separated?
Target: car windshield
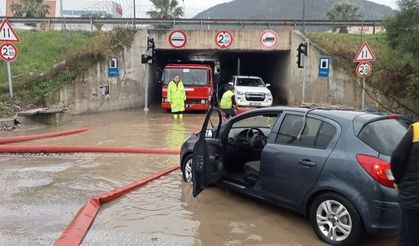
{"x": 249, "y": 82}
{"x": 259, "y": 121}
{"x": 189, "y": 77}
{"x": 383, "y": 135}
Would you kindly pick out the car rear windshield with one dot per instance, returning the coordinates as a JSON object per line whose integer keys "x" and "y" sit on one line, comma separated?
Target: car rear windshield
{"x": 189, "y": 77}
{"x": 383, "y": 135}
{"x": 249, "y": 82}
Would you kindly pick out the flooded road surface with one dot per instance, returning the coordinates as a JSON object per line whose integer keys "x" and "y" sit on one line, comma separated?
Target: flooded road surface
{"x": 40, "y": 194}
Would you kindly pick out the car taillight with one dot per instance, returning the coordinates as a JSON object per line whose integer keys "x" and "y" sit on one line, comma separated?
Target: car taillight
{"x": 377, "y": 168}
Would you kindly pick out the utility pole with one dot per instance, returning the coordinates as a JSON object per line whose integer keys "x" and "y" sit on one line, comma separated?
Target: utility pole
{"x": 62, "y": 15}
{"x": 304, "y": 16}
{"x": 135, "y": 26}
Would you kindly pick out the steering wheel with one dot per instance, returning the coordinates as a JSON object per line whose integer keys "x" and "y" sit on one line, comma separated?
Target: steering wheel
{"x": 257, "y": 140}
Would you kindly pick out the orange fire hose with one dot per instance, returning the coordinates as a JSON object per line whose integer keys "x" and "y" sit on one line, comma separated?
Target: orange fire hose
{"x": 8, "y": 140}
{"x": 83, "y": 149}
{"x": 77, "y": 229}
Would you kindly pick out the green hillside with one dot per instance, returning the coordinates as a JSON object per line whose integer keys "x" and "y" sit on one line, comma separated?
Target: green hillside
{"x": 34, "y": 71}
{"x": 387, "y": 83}
{"x": 289, "y": 9}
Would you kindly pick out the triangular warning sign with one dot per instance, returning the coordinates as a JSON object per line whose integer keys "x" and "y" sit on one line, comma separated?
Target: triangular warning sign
{"x": 7, "y": 34}
{"x": 364, "y": 54}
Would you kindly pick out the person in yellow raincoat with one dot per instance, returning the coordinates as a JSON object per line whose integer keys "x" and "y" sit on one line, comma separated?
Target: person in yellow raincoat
{"x": 176, "y": 96}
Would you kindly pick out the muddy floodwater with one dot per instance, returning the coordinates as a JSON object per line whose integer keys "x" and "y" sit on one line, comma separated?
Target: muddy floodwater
{"x": 41, "y": 193}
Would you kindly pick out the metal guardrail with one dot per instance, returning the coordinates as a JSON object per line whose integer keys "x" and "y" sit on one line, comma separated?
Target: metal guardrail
{"x": 197, "y": 22}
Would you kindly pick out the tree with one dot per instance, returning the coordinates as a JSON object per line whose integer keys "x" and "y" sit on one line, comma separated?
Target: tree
{"x": 403, "y": 36}
{"x": 29, "y": 8}
{"x": 165, "y": 9}
{"x": 343, "y": 11}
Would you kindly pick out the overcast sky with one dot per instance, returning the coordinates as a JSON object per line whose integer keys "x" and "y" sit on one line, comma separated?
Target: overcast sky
{"x": 192, "y": 7}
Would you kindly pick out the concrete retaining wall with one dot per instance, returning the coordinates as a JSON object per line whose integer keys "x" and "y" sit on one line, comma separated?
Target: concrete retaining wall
{"x": 85, "y": 94}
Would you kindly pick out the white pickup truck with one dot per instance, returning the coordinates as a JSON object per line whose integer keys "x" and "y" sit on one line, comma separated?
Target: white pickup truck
{"x": 251, "y": 91}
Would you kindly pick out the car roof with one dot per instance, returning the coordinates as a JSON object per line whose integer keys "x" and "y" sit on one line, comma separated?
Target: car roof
{"x": 247, "y": 77}
{"x": 339, "y": 115}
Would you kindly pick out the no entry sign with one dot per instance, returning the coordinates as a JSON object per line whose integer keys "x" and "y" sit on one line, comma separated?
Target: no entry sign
{"x": 8, "y": 52}
{"x": 268, "y": 39}
{"x": 177, "y": 39}
{"x": 224, "y": 39}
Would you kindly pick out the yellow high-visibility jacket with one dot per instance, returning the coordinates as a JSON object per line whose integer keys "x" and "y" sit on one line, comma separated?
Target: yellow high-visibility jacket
{"x": 176, "y": 96}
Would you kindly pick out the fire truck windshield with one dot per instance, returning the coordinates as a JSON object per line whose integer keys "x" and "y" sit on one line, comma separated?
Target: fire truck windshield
{"x": 189, "y": 77}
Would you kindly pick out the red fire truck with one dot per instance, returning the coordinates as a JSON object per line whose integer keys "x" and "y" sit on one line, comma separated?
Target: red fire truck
{"x": 198, "y": 80}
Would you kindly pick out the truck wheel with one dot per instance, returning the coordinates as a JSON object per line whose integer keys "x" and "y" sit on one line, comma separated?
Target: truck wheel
{"x": 187, "y": 168}
{"x": 335, "y": 220}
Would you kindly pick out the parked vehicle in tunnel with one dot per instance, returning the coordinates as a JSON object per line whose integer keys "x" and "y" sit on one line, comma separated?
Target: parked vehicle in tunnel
{"x": 331, "y": 165}
{"x": 251, "y": 91}
{"x": 198, "y": 80}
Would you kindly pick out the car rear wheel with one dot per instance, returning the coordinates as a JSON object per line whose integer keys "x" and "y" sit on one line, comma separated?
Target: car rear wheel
{"x": 335, "y": 220}
{"x": 187, "y": 168}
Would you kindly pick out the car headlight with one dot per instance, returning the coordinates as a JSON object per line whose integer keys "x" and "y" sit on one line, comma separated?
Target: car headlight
{"x": 269, "y": 94}
{"x": 240, "y": 93}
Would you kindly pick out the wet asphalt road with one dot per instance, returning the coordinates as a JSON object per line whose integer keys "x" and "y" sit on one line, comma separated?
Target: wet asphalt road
{"x": 40, "y": 194}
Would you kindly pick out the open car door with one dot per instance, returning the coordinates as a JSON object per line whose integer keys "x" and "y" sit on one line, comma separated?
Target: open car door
{"x": 207, "y": 162}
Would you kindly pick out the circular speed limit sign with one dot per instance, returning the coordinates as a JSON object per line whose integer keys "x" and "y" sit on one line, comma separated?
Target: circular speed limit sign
{"x": 364, "y": 69}
{"x": 8, "y": 52}
{"x": 224, "y": 39}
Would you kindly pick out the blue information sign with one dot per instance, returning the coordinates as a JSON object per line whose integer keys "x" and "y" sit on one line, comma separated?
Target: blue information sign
{"x": 324, "y": 66}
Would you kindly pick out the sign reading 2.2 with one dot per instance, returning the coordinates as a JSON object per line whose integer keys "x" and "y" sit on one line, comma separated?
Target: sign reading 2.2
{"x": 224, "y": 39}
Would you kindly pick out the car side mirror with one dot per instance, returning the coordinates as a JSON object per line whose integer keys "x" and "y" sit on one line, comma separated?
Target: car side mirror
{"x": 209, "y": 133}
{"x": 267, "y": 85}
{"x": 231, "y": 83}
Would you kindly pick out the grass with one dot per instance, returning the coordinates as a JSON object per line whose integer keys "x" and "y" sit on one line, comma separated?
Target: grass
{"x": 345, "y": 46}
{"x": 389, "y": 70}
{"x": 33, "y": 72}
{"x": 39, "y": 51}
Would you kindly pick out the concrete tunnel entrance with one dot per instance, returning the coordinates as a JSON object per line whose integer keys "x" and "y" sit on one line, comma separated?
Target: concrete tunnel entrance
{"x": 271, "y": 66}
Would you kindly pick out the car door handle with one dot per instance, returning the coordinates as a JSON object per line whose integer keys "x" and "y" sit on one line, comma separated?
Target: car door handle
{"x": 307, "y": 163}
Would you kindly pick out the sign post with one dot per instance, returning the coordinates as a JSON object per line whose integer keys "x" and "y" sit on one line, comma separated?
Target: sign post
{"x": 364, "y": 68}
{"x": 8, "y": 52}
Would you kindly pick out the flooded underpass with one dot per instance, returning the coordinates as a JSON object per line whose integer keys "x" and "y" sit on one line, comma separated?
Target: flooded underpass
{"x": 41, "y": 193}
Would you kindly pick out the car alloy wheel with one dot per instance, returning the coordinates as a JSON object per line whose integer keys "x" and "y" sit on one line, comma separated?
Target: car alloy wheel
{"x": 334, "y": 220}
{"x": 188, "y": 171}
{"x": 187, "y": 168}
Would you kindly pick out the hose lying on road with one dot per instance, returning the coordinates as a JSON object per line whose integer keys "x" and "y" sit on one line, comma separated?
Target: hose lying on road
{"x": 83, "y": 149}
{"x": 8, "y": 140}
{"x": 77, "y": 229}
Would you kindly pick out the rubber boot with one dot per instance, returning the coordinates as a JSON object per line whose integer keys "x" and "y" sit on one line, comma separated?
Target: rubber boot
{"x": 180, "y": 116}
{"x": 175, "y": 116}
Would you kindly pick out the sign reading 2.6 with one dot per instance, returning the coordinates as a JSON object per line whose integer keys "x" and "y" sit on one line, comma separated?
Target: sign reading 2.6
{"x": 224, "y": 39}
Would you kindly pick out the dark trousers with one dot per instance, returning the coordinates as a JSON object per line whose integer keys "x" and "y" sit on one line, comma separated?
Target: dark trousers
{"x": 230, "y": 112}
{"x": 409, "y": 228}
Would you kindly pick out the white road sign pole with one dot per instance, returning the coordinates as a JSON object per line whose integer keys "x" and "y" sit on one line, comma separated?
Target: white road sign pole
{"x": 9, "y": 73}
{"x": 363, "y": 93}
{"x": 305, "y": 59}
